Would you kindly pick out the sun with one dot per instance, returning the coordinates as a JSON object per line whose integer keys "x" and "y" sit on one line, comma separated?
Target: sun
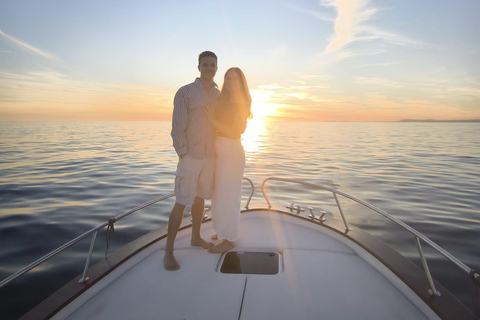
{"x": 262, "y": 105}
{"x": 262, "y": 111}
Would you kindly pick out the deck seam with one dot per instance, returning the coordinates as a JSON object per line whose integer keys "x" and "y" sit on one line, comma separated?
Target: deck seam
{"x": 243, "y": 297}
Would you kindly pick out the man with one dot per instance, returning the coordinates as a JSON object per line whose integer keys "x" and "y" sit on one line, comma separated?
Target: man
{"x": 194, "y": 141}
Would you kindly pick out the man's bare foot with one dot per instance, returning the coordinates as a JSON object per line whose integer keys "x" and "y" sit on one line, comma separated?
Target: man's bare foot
{"x": 201, "y": 243}
{"x": 214, "y": 237}
{"x": 170, "y": 263}
{"x": 222, "y": 247}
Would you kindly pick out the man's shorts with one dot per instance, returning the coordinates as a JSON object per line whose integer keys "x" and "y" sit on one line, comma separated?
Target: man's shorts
{"x": 194, "y": 177}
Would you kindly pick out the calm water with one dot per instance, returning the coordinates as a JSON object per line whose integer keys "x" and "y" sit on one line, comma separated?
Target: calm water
{"x": 58, "y": 180}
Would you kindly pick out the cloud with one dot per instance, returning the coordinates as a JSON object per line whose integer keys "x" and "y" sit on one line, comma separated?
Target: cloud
{"x": 350, "y": 25}
{"x": 379, "y": 81}
{"x": 316, "y": 14}
{"x": 314, "y": 76}
{"x": 380, "y": 64}
{"x": 44, "y": 95}
{"x": 341, "y": 55}
{"x": 28, "y": 48}
{"x": 271, "y": 86}
{"x": 373, "y": 33}
{"x": 474, "y": 92}
{"x": 350, "y": 15}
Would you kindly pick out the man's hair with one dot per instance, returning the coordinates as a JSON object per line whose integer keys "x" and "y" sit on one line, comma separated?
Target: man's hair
{"x": 206, "y": 54}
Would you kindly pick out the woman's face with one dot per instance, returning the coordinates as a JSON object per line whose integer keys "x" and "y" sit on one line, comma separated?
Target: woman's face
{"x": 233, "y": 82}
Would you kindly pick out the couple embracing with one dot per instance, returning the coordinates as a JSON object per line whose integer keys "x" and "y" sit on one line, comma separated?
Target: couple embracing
{"x": 206, "y": 128}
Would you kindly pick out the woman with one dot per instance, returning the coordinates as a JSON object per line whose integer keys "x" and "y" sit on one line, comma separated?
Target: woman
{"x": 229, "y": 118}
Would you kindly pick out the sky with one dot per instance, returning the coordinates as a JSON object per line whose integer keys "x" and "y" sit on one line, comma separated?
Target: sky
{"x": 327, "y": 60}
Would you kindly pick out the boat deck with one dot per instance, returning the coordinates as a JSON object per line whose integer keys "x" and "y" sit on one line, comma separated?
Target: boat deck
{"x": 322, "y": 276}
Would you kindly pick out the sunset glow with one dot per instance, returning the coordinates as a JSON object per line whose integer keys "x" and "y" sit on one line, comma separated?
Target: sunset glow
{"x": 263, "y": 106}
{"x": 352, "y": 60}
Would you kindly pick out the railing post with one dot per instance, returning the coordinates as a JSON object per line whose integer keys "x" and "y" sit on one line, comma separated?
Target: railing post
{"x": 251, "y": 193}
{"x": 265, "y": 194}
{"x": 433, "y": 291}
{"x": 341, "y": 212}
{"x": 87, "y": 264}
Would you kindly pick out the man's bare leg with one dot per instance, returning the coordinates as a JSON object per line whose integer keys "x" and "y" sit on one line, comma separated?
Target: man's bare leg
{"x": 222, "y": 247}
{"x": 174, "y": 222}
{"x": 198, "y": 209}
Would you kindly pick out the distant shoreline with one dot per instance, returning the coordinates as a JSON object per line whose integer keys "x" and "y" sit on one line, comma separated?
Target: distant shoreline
{"x": 432, "y": 120}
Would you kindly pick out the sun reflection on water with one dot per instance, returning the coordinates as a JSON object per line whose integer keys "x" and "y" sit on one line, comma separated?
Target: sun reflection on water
{"x": 252, "y": 138}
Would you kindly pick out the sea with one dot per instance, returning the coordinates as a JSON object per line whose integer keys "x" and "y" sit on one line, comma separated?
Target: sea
{"x": 61, "y": 179}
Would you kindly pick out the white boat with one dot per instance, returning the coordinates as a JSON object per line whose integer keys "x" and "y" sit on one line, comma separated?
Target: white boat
{"x": 290, "y": 263}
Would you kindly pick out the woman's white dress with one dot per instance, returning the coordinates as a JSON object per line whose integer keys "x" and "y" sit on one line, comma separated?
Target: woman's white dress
{"x": 226, "y": 199}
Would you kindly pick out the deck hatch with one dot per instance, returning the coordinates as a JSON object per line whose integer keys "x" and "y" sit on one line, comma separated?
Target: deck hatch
{"x": 242, "y": 262}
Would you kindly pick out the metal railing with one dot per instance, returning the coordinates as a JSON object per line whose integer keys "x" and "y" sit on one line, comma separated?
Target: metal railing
{"x": 474, "y": 275}
{"x": 93, "y": 232}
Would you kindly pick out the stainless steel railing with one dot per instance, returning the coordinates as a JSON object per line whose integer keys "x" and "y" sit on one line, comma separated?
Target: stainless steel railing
{"x": 93, "y": 232}
{"x": 474, "y": 275}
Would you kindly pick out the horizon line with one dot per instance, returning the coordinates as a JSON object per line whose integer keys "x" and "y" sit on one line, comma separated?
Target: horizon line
{"x": 270, "y": 120}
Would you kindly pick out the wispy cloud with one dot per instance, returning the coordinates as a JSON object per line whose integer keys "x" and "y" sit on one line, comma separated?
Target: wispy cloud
{"x": 316, "y": 14}
{"x": 314, "y": 76}
{"x": 350, "y": 25}
{"x": 52, "y": 95}
{"x": 350, "y": 15}
{"x": 329, "y": 59}
{"x": 380, "y": 64}
{"x": 271, "y": 86}
{"x": 372, "y": 33}
{"x": 27, "y": 47}
{"x": 379, "y": 81}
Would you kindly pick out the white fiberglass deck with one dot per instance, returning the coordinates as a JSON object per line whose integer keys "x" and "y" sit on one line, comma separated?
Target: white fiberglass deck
{"x": 322, "y": 277}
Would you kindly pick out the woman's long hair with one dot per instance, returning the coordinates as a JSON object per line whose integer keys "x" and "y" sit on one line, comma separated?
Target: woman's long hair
{"x": 225, "y": 94}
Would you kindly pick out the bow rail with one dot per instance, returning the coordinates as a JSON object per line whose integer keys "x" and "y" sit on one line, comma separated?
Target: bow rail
{"x": 474, "y": 275}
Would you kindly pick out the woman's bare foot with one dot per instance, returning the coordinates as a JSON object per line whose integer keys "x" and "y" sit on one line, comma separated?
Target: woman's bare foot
{"x": 199, "y": 242}
{"x": 222, "y": 247}
{"x": 170, "y": 263}
{"x": 214, "y": 237}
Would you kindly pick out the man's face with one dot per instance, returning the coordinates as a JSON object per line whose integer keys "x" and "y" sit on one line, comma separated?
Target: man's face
{"x": 208, "y": 68}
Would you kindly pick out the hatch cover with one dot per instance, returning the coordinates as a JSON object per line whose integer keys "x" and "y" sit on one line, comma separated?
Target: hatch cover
{"x": 243, "y": 262}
